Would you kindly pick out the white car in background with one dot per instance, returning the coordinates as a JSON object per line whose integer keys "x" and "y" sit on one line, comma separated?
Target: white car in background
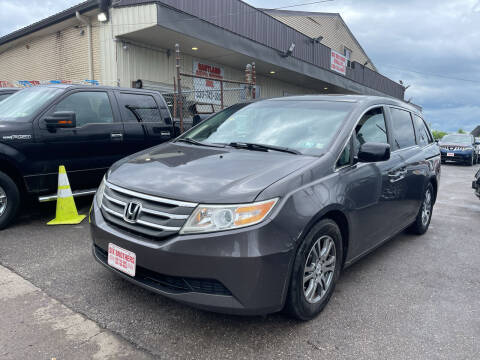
{"x": 477, "y": 147}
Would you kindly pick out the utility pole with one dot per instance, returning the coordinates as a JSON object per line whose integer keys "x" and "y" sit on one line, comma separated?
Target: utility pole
{"x": 179, "y": 86}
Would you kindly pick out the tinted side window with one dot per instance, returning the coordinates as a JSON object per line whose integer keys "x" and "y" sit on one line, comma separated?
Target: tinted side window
{"x": 421, "y": 131}
{"x": 90, "y": 107}
{"x": 141, "y": 108}
{"x": 4, "y": 96}
{"x": 344, "y": 158}
{"x": 403, "y": 132}
{"x": 371, "y": 127}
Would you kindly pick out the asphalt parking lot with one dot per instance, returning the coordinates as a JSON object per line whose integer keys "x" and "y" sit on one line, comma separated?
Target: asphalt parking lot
{"x": 413, "y": 298}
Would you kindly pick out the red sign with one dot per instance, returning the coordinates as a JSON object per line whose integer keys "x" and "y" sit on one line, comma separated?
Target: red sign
{"x": 338, "y": 62}
{"x": 207, "y": 70}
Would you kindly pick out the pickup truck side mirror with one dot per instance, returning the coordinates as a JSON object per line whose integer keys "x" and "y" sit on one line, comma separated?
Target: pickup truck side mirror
{"x": 373, "y": 152}
{"x": 61, "y": 119}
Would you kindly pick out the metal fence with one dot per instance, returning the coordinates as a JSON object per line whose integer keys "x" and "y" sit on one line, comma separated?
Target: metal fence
{"x": 207, "y": 93}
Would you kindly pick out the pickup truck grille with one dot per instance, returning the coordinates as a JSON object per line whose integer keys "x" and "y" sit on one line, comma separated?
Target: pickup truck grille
{"x": 143, "y": 214}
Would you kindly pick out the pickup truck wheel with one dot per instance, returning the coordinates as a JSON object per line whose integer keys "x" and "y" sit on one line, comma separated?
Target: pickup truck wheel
{"x": 315, "y": 271}
{"x": 9, "y": 200}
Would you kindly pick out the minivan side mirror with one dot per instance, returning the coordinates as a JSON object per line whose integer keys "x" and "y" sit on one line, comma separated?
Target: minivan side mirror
{"x": 61, "y": 119}
{"x": 373, "y": 152}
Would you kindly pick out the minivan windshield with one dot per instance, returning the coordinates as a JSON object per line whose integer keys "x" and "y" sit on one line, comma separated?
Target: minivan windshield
{"x": 457, "y": 139}
{"x": 307, "y": 126}
{"x": 22, "y": 105}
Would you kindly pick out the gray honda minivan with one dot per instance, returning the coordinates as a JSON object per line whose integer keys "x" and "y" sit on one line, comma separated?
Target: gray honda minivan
{"x": 260, "y": 207}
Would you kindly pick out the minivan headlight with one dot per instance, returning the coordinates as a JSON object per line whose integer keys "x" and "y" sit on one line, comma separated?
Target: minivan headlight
{"x": 210, "y": 218}
{"x": 100, "y": 191}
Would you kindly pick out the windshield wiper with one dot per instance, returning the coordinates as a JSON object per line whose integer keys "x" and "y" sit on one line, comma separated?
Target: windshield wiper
{"x": 195, "y": 142}
{"x": 263, "y": 147}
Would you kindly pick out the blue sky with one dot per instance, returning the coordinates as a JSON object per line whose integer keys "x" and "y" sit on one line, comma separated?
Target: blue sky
{"x": 432, "y": 45}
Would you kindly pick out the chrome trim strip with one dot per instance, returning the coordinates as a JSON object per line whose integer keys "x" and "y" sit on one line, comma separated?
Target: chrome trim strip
{"x": 142, "y": 222}
{"x": 164, "y": 214}
{"x": 150, "y": 197}
{"x": 116, "y": 201}
{"x": 155, "y": 226}
{"x": 112, "y": 212}
{"x": 149, "y": 211}
{"x": 78, "y": 193}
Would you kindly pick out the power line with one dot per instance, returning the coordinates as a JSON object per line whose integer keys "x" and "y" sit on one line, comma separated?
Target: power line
{"x": 433, "y": 74}
{"x": 208, "y": 19}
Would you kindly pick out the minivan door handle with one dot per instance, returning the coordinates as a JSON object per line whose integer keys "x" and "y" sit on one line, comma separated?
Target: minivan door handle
{"x": 116, "y": 136}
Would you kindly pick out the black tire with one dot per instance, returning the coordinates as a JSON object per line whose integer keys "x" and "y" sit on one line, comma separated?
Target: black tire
{"x": 471, "y": 162}
{"x": 296, "y": 304}
{"x": 420, "y": 226}
{"x": 12, "y": 200}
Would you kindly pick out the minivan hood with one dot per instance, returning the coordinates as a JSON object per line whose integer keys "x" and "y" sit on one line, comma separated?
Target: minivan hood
{"x": 204, "y": 174}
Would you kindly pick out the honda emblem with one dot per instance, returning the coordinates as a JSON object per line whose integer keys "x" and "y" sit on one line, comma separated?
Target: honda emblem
{"x": 131, "y": 212}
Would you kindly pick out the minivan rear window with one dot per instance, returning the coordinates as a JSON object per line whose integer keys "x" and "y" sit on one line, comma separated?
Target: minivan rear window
{"x": 305, "y": 126}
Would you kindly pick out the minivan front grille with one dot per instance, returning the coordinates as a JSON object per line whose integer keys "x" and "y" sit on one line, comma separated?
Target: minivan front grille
{"x": 144, "y": 214}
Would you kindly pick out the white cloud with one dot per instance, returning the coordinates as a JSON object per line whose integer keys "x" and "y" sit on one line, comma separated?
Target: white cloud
{"x": 18, "y": 14}
{"x": 429, "y": 37}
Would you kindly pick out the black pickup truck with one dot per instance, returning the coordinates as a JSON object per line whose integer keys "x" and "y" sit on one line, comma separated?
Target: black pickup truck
{"x": 84, "y": 128}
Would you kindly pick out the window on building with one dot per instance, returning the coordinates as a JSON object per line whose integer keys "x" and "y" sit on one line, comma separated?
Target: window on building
{"x": 90, "y": 107}
{"x": 404, "y": 135}
{"x": 421, "y": 131}
{"x": 348, "y": 54}
{"x": 140, "y": 108}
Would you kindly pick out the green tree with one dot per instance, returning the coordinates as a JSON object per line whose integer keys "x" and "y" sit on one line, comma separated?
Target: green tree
{"x": 437, "y": 134}
{"x": 461, "y": 131}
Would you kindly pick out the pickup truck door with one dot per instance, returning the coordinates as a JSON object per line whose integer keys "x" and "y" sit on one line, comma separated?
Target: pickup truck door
{"x": 87, "y": 150}
{"x": 146, "y": 119}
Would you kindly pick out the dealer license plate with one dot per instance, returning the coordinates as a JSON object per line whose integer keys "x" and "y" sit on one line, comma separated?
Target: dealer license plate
{"x": 450, "y": 154}
{"x": 121, "y": 259}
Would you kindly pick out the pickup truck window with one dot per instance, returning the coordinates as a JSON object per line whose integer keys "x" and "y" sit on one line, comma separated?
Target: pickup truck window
{"x": 90, "y": 107}
{"x": 140, "y": 108}
{"x": 24, "y": 104}
{"x": 308, "y": 127}
{"x": 4, "y": 96}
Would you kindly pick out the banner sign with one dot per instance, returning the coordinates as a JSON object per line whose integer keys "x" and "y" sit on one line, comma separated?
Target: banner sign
{"x": 207, "y": 91}
{"x": 30, "y": 83}
{"x": 338, "y": 62}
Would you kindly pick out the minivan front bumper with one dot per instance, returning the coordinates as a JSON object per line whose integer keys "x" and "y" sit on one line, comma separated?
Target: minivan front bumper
{"x": 245, "y": 271}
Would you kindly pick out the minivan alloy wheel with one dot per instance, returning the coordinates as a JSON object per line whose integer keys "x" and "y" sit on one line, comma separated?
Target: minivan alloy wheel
{"x": 319, "y": 269}
{"x": 426, "y": 207}
{"x": 3, "y": 201}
